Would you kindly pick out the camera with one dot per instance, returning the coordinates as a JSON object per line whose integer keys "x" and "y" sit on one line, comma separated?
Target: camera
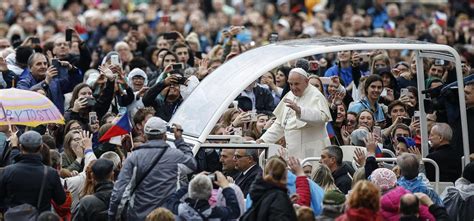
{"x": 212, "y": 176}
{"x": 91, "y": 102}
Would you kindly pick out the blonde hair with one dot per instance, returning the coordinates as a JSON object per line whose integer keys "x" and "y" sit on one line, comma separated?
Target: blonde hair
{"x": 323, "y": 177}
{"x": 160, "y": 214}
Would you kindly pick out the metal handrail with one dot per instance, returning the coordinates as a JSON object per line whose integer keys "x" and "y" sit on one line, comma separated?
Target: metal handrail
{"x": 426, "y": 160}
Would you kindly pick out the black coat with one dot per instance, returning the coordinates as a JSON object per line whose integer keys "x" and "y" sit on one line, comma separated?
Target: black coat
{"x": 245, "y": 181}
{"x": 272, "y": 201}
{"x": 95, "y": 207}
{"x": 342, "y": 179}
{"x": 164, "y": 109}
{"x": 21, "y": 183}
{"x": 264, "y": 102}
{"x": 449, "y": 163}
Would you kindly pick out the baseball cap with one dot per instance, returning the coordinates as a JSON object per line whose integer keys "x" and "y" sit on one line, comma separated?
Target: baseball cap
{"x": 102, "y": 168}
{"x": 408, "y": 141}
{"x": 281, "y": 2}
{"x": 284, "y": 23}
{"x": 155, "y": 126}
{"x": 31, "y": 139}
{"x": 334, "y": 197}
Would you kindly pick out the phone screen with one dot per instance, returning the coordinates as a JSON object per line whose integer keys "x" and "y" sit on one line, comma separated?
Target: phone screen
{"x": 378, "y": 131}
{"x": 68, "y": 34}
{"x": 177, "y": 66}
{"x": 170, "y": 35}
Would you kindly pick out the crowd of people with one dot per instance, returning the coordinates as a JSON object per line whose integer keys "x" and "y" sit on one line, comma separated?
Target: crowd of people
{"x": 98, "y": 61}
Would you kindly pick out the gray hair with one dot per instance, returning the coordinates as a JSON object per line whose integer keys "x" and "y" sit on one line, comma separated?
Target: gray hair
{"x": 409, "y": 165}
{"x": 200, "y": 187}
{"x": 444, "y": 130}
{"x": 32, "y": 57}
{"x": 114, "y": 157}
{"x": 336, "y": 152}
{"x": 252, "y": 153}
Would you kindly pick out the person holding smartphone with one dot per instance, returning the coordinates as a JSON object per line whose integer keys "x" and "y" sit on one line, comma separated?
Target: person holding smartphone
{"x": 54, "y": 82}
{"x": 62, "y": 50}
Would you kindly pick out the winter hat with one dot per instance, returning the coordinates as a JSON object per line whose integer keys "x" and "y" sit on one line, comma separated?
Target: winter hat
{"x": 136, "y": 72}
{"x": 384, "y": 178}
{"x": 200, "y": 187}
{"x": 334, "y": 197}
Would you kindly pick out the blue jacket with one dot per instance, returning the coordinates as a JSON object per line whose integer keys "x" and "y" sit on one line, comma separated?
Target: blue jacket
{"x": 364, "y": 104}
{"x": 345, "y": 75}
{"x": 418, "y": 185}
{"x": 317, "y": 194}
{"x": 62, "y": 84}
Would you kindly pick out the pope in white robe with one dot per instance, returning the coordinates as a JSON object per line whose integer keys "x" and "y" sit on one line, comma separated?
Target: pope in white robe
{"x": 301, "y": 117}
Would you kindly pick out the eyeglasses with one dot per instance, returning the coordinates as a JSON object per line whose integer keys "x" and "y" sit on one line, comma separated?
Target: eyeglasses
{"x": 238, "y": 156}
{"x": 77, "y": 139}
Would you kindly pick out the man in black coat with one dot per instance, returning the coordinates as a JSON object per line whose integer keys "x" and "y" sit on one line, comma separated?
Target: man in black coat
{"x": 21, "y": 182}
{"x": 448, "y": 160}
{"x": 95, "y": 207}
{"x": 256, "y": 98}
{"x": 62, "y": 50}
{"x": 332, "y": 158}
{"x": 246, "y": 163}
{"x": 166, "y": 107}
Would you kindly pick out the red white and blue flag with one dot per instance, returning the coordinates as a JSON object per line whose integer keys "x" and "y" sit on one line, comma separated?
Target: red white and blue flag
{"x": 121, "y": 127}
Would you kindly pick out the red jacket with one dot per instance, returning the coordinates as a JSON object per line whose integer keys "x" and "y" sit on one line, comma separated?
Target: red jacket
{"x": 303, "y": 191}
{"x": 360, "y": 214}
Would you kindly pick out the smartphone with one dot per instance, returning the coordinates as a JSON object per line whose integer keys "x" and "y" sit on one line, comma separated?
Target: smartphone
{"x": 69, "y": 34}
{"x": 182, "y": 80}
{"x": 273, "y": 37}
{"x": 35, "y": 40}
{"x": 177, "y": 66}
{"x": 404, "y": 92}
{"x": 235, "y": 104}
{"x": 313, "y": 65}
{"x": 439, "y": 62}
{"x": 378, "y": 131}
{"x": 325, "y": 80}
{"x": 92, "y": 117}
{"x": 364, "y": 57}
{"x": 406, "y": 120}
{"x": 165, "y": 18}
{"x": 134, "y": 27}
{"x": 384, "y": 93}
{"x": 170, "y": 35}
{"x": 198, "y": 54}
{"x": 416, "y": 116}
{"x": 238, "y": 131}
{"x": 56, "y": 64}
{"x": 114, "y": 59}
{"x": 91, "y": 102}
{"x": 253, "y": 115}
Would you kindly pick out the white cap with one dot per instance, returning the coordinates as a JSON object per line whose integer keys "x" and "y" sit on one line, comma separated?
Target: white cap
{"x": 155, "y": 126}
{"x": 300, "y": 71}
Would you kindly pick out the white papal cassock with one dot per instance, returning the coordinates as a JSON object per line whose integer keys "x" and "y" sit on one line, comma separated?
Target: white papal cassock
{"x": 305, "y": 136}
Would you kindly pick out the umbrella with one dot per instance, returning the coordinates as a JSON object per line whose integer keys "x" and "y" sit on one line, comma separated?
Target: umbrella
{"x": 23, "y": 107}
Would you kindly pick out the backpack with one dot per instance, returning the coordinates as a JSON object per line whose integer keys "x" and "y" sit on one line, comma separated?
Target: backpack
{"x": 25, "y": 211}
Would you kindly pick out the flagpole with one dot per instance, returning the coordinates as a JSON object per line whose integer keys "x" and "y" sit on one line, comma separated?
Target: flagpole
{"x": 131, "y": 139}
{"x": 7, "y": 118}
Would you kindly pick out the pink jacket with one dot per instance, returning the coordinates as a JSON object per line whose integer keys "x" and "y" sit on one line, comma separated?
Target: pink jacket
{"x": 390, "y": 203}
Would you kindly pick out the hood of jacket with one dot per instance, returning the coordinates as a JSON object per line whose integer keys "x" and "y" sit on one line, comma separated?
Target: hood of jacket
{"x": 341, "y": 171}
{"x": 464, "y": 188}
{"x": 356, "y": 214}
{"x": 136, "y": 72}
{"x": 260, "y": 187}
{"x": 189, "y": 210}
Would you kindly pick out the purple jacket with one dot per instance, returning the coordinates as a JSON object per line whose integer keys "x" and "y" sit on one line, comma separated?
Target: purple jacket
{"x": 390, "y": 203}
